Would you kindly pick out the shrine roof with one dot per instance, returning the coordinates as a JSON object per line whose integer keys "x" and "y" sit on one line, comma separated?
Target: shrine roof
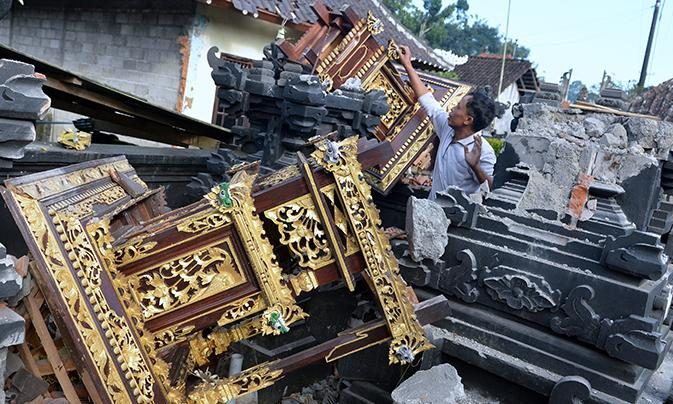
{"x": 657, "y": 101}
{"x": 484, "y": 70}
{"x": 300, "y": 11}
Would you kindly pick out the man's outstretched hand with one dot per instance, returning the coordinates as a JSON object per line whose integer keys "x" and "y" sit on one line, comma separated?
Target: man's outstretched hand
{"x": 473, "y": 156}
{"x": 405, "y": 56}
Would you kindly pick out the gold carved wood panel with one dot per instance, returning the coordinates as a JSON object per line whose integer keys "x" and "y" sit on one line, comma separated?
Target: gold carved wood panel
{"x": 356, "y": 56}
{"x": 301, "y": 229}
{"x": 73, "y": 273}
{"x": 187, "y": 279}
{"x": 408, "y": 339}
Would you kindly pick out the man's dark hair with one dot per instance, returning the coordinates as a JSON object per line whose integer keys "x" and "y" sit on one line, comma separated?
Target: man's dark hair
{"x": 482, "y": 110}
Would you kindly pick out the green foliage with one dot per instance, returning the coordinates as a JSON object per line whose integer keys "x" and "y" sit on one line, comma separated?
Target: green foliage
{"x": 447, "y": 75}
{"x": 449, "y": 27}
{"x": 497, "y": 144}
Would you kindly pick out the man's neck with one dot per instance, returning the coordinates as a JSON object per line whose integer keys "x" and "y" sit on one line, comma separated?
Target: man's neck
{"x": 462, "y": 133}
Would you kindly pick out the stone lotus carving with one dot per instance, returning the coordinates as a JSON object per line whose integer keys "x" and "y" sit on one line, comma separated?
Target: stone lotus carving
{"x": 519, "y": 292}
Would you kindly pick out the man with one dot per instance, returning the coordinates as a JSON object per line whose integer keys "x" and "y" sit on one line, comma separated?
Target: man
{"x": 462, "y": 159}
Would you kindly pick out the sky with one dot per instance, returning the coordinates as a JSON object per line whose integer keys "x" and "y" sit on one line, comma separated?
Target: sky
{"x": 588, "y": 36}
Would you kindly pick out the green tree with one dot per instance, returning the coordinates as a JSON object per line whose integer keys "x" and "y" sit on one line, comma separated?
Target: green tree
{"x": 449, "y": 27}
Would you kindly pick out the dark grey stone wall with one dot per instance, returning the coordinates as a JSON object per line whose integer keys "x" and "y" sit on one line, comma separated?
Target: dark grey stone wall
{"x": 132, "y": 46}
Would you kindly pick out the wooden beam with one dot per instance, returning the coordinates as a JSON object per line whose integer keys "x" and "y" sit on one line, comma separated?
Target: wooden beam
{"x": 367, "y": 335}
{"x": 51, "y": 350}
{"x": 28, "y": 360}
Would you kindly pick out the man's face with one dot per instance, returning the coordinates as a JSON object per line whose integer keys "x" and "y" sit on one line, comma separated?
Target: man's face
{"x": 458, "y": 116}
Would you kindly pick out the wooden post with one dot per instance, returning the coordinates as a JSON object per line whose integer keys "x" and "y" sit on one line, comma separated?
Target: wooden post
{"x": 51, "y": 350}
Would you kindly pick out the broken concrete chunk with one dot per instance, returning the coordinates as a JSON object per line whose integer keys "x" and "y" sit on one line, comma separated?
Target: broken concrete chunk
{"x": 438, "y": 385}
{"x": 615, "y": 136}
{"x": 530, "y": 149}
{"x": 10, "y": 282}
{"x": 541, "y": 193}
{"x": 594, "y": 127}
{"x": 642, "y": 130}
{"x": 563, "y": 163}
{"x": 436, "y": 336}
{"x": 426, "y": 228}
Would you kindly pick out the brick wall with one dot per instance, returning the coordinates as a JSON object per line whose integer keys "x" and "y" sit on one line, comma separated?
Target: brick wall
{"x": 133, "y": 50}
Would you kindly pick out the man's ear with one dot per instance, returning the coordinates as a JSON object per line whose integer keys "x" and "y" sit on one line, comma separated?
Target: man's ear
{"x": 468, "y": 121}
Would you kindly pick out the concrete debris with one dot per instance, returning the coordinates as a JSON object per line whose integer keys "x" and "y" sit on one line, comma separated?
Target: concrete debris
{"x": 324, "y": 391}
{"x": 642, "y": 131}
{"x": 542, "y": 193}
{"x": 440, "y": 384}
{"x": 559, "y": 145}
{"x": 426, "y": 226}
{"x": 594, "y": 127}
{"x": 615, "y": 136}
{"x": 10, "y": 280}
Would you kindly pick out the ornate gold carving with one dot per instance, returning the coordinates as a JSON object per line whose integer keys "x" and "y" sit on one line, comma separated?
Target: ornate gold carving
{"x": 220, "y": 339}
{"x": 304, "y": 281}
{"x": 395, "y": 100}
{"x": 54, "y": 262}
{"x": 242, "y": 308}
{"x": 53, "y": 185}
{"x": 381, "y": 266}
{"x": 284, "y": 173}
{"x": 221, "y": 391}
{"x": 99, "y": 232}
{"x": 279, "y": 316}
{"x": 251, "y": 231}
{"x": 327, "y": 81}
{"x": 353, "y": 34}
{"x": 172, "y": 335}
{"x": 137, "y": 370}
{"x": 334, "y": 242}
{"x": 340, "y": 221}
{"x": 393, "y": 50}
{"x": 204, "y": 222}
{"x": 132, "y": 251}
{"x": 301, "y": 230}
{"x": 374, "y": 25}
{"x": 81, "y": 205}
{"x": 187, "y": 279}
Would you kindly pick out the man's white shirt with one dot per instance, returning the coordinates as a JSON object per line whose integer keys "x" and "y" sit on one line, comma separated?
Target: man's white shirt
{"x": 450, "y": 165}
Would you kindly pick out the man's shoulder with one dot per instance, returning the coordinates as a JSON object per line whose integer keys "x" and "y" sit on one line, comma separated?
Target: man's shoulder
{"x": 487, "y": 149}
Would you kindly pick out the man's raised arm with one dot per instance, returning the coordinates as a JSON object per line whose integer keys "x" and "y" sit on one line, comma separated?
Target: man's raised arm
{"x": 415, "y": 81}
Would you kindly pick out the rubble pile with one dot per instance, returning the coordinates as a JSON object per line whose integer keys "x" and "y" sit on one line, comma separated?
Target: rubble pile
{"x": 437, "y": 385}
{"x": 558, "y": 145}
{"x": 532, "y": 291}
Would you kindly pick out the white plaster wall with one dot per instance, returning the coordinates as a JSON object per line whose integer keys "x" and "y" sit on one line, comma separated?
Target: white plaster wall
{"x": 232, "y": 32}
{"x": 511, "y": 95}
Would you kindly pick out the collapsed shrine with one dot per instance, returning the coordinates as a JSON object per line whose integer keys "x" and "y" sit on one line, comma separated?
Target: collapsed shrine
{"x": 572, "y": 304}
